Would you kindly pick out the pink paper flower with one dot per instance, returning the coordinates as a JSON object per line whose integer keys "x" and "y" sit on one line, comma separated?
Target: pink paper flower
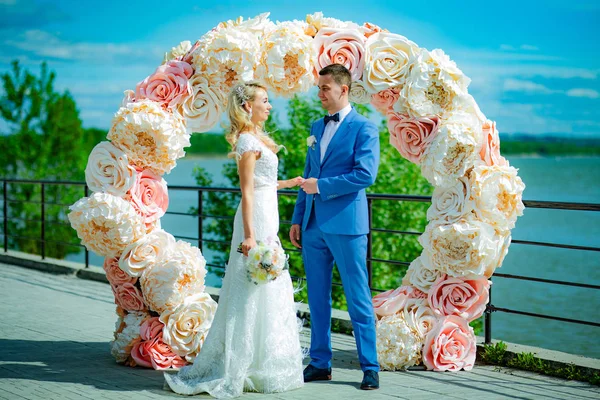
{"x": 149, "y": 195}
{"x": 152, "y": 351}
{"x": 168, "y": 85}
{"x": 462, "y": 297}
{"x": 129, "y": 297}
{"x": 115, "y": 275}
{"x": 490, "y": 151}
{"x": 450, "y": 345}
{"x": 411, "y": 136}
{"x": 385, "y": 99}
{"x": 341, "y": 46}
{"x": 393, "y": 301}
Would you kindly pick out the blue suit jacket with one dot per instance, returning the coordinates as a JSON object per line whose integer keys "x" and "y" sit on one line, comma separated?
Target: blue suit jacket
{"x": 349, "y": 166}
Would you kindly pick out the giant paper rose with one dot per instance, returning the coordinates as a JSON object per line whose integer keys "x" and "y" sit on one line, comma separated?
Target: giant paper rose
{"x": 202, "y": 109}
{"x": 170, "y": 280}
{"x": 358, "y": 93}
{"x": 452, "y": 203}
{"x": 317, "y": 21}
{"x": 462, "y": 297}
{"x": 106, "y": 224}
{"x": 108, "y": 170}
{"x": 146, "y": 251}
{"x": 152, "y": 351}
{"x": 150, "y": 136}
{"x": 411, "y": 136}
{"x": 450, "y": 345}
{"x": 384, "y": 100}
{"x": 465, "y": 248}
{"x": 417, "y": 313}
{"x": 340, "y": 46}
{"x": 149, "y": 196}
{"x": 114, "y": 274}
{"x": 128, "y": 297}
{"x": 387, "y": 61}
{"x": 453, "y": 151}
{"x": 434, "y": 86}
{"x": 186, "y": 327}
{"x": 497, "y": 193}
{"x": 286, "y": 60}
{"x": 393, "y": 301}
{"x": 127, "y": 335}
{"x": 421, "y": 274}
{"x": 398, "y": 343}
{"x": 168, "y": 85}
{"x": 490, "y": 151}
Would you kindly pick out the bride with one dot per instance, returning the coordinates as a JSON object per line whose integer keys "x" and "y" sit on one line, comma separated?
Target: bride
{"x": 253, "y": 344}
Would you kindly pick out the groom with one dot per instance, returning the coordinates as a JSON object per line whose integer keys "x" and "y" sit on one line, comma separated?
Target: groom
{"x": 331, "y": 212}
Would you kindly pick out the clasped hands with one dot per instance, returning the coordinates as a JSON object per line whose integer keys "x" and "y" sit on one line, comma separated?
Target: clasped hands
{"x": 308, "y": 185}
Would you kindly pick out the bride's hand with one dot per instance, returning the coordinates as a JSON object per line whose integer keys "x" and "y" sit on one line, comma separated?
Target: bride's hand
{"x": 297, "y": 181}
{"x": 247, "y": 244}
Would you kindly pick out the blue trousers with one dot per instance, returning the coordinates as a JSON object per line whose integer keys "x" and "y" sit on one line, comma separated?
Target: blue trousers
{"x": 319, "y": 251}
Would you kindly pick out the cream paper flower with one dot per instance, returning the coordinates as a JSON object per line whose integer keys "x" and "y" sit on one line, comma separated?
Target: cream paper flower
{"x": 359, "y": 93}
{"x": 450, "y": 204}
{"x": 146, "y": 251}
{"x": 421, "y": 274}
{"x": 454, "y": 150}
{"x": 174, "y": 277}
{"x": 399, "y": 343}
{"x": 178, "y": 52}
{"x": 202, "y": 109}
{"x": 388, "y": 57}
{"x": 420, "y": 315}
{"x": 317, "y": 21}
{"x": 434, "y": 86}
{"x": 257, "y": 25}
{"x": 187, "y": 326}
{"x": 504, "y": 240}
{"x": 466, "y": 248}
{"x": 497, "y": 193}
{"x": 286, "y": 60}
{"x": 151, "y": 137}
{"x": 127, "y": 334}
{"x": 106, "y": 224}
{"x": 108, "y": 170}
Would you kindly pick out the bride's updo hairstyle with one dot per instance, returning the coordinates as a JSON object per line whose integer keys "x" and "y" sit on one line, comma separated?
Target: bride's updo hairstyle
{"x": 239, "y": 118}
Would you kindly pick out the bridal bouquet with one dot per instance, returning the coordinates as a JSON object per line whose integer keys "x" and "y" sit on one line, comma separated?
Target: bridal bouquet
{"x": 265, "y": 262}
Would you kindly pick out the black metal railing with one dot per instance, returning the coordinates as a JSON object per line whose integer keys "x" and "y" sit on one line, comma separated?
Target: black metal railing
{"x": 371, "y": 259}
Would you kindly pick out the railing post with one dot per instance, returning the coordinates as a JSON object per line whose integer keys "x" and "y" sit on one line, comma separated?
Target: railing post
{"x": 488, "y": 319}
{"x": 87, "y": 252}
{"x": 5, "y": 211}
{"x": 370, "y": 243}
{"x": 200, "y": 219}
{"x": 43, "y": 220}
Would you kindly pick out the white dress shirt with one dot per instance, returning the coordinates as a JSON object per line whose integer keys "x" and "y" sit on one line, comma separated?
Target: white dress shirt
{"x": 330, "y": 130}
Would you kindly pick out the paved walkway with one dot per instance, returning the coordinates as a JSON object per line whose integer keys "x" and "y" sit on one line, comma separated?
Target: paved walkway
{"x": 54, "y": 336}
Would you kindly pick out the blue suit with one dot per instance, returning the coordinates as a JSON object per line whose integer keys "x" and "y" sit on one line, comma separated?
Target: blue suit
{"x": 335, "y": 225}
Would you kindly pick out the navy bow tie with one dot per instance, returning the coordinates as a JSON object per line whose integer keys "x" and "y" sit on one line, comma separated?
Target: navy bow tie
{"x": 335, "y": 117}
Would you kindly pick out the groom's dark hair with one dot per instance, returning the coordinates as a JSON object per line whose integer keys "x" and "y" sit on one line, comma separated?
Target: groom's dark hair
{"x": 339, "y": 73}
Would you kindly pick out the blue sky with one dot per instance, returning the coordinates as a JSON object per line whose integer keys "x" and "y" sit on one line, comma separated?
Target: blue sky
{"x": 534, "y": 65}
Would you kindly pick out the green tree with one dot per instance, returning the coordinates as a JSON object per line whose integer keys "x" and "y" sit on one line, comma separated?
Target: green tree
{"x": 45, "y": 141}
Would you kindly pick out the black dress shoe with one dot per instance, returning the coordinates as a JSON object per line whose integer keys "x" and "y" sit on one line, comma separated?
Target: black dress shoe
{"x": 316, "y": 374}
{"x": 370, "y": 380}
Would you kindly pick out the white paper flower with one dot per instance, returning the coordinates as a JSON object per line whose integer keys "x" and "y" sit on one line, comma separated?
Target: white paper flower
{"x": 108, "y": 170}
{"x": 174, "y": 277}
{"x": 202, "y": 109}
{"x": 434, "y": 86}
{"x": 317, "y": 21}
{"x": 453, "y": 151}
{"x": 286, "y": 60}
{"x": 178, "y": 52}
{"x": 466, "y": 248}
{"x": 187, "y": 326}
{"x": 358, "y": 93}
{"x": 421, "y": 274}
{"x": 398, "y": 343}
{"x": 150, "y": 136}
{"x": 387, "y": 62}
{"x": 421, "y": 316}
{"x": 497, "y": 193}
{"x": 146, "y": 251}
{"x": 106, "y": 224}
{"x": 450, "y": 204}
{"x": 127, "y": 334}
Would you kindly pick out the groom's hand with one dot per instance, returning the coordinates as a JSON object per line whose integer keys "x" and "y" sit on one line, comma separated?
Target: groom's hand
{"x": 295, "y": 235}
{"x": 310, "y": 186}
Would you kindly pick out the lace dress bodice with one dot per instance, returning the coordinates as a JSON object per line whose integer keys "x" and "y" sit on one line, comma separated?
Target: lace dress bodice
{"x": 265, "y": 169}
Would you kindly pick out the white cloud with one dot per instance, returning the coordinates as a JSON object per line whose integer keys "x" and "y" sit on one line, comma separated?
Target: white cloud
{"x": 516, "y": 85}
{"x": 529, "y": 47}
{"x": 578, "y": 92}
{"x": 507, "y": 47}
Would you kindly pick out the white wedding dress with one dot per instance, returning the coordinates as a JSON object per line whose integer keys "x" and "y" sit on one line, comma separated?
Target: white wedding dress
{"x": 253, "y": 344}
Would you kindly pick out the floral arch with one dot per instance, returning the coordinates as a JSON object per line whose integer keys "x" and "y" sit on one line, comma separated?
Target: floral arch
{"x": 158, "y": 282}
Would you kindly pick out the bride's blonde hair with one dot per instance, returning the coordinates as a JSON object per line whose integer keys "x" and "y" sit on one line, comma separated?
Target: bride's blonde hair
{"x": 239, "y": 118}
